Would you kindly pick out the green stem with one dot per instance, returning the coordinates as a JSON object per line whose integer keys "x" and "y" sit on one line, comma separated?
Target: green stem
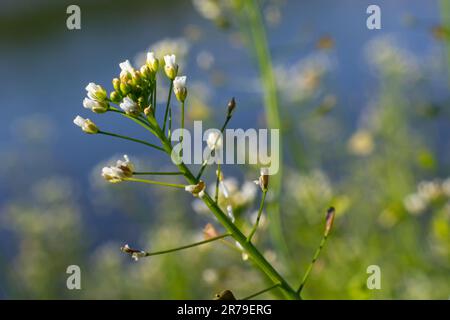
{"x": 139, "y": 121}
{"x": 261, "y": 206}
{"x": 216, "y": 198}
{"x": 130, "y": 139}
{"x": 252, "y": 14}
{"x": 181, "y": 186}
{"x": 148, "y": 254}
{"x": 308, "y": 271}
{"x": 182, "y": 121}
{"x": 154, "y": 96}
{"x": 158, "y": 173}
{"x": 261, "y": 292}
{"x": 234, "y": 231}
{"x": 167, "y": 107}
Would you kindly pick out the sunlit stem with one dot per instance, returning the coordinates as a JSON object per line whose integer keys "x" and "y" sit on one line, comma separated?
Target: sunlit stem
{"x": 158, "y": 173}
{"x": 169, "y": 133}
{"x": 261, "y": 206}
{"x": 131, "y": 139}
{"x": 261, "y": 292}
{"x": 181, "y": 186}
{"x": 216, "y": 198}
{"x": 167, "y": 106}
{"x": 154, "y": 96}
{"x": 182, "y": 121}
{"x": 148, "y": 254}
{"x": 205, "y": 163}
{"x": 308, "y": 271}
{"x": 138, "y": 120}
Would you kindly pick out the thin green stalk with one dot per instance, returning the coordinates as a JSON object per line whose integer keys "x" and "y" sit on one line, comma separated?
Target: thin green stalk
{"x": 169, "y": 133}
{"x": 216, "y": 197}
{"x": 167, "y": 107}
{"x": 131, "y": 139}
{"x": 308, "y": 271}
{"x": 261, "y": 206}
{"x": 139, "y": 121}
{"x": 154, "y": 96}
{"x": 158, "y": 173}
{"x": 252, "y": 14}
{"x": 160, "y": 183}
{"x": 182, "y": 121}
{"x": 148, "y": 254}
{"x": 276, "y": 285}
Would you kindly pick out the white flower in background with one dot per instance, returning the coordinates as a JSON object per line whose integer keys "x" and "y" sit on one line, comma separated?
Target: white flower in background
{"x": 86, "y": 125}
{"x": 205, "y": 60}
{"x": 446, "y": 187}
{"x": 129, "y": 106}
{"x": 113, "y": 174}
{"x": 214, "y": 140}
{"x": 429, "y": 190}
{"x": 170, "y": 66}
{"x": 126, "y": 69}
{"x": 210, "y": 276}
{"x": 95, "y": 92}
{"x": 152, "y": 61}
{"x": 179, "y": 87}
{"x": 95, "y": 106}
{"x": 361, "y": 143}
{"x": 209, "y": 9}
{"x": 415, "y": 204}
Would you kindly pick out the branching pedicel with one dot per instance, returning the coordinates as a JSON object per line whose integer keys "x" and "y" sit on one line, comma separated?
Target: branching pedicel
{"x": 134, "y": 97}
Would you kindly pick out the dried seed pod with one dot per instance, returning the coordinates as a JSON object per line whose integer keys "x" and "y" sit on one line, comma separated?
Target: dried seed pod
{"x": 225, "y": 295}
{"x": 329, "y": 220}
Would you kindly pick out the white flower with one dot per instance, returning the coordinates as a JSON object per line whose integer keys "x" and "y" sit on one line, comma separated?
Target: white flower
{"x": 95, "y": 92}
{"x": 415, "y": 204}
{"x": 126, "y": 166}
{"x": 86, "y": 125}
{"x": 170, "y": 60}
{"x": 129, "y": 106}
{"x": 113, "y": 174}
{"x": 179, "y": 87}
{"x": 152, "y": 61}
{"x": 197, "y": 190}
{"x": 214, "y": 140}
{"x": 95, "y": 106}
{"x": 135, "y": 254}
{"x": 170, "y": 66}
{"x": 126, "y": 68}
{"x": 446, "y": 187}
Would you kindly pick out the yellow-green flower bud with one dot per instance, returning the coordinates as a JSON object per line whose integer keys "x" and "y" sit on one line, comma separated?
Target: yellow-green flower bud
{"x": 115, "y": 97}
{"x": 86, "y": 125}
{"x": 116, "y": 84}
{"x": 179, "y": 87}
{"x": 152, "y": 62}
{"x": 125, "y": 88}
{"x": 170, "y": 67}
{"x": 95, "y": 106}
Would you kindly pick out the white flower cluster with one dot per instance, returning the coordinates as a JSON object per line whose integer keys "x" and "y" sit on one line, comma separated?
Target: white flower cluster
{"x": 427, "y": 193}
